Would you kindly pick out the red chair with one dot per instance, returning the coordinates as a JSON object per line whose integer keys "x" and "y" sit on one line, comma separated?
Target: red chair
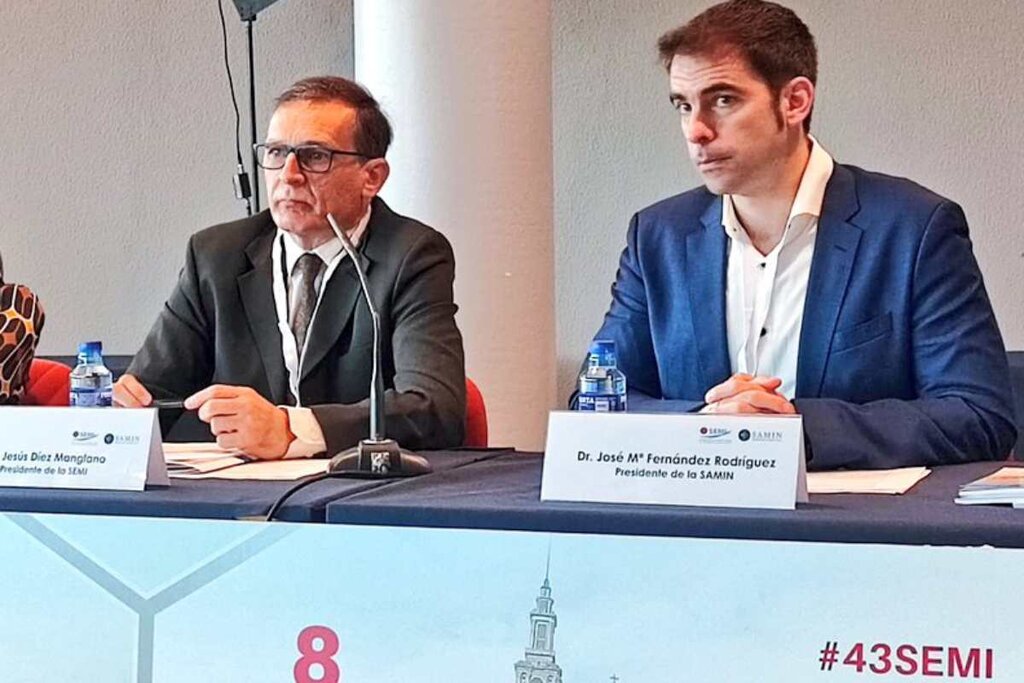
{"x": 476, "y": 417}
{"x": 49, "y": 384}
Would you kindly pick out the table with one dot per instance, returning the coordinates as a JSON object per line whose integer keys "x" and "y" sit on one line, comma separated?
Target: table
{"x": 504, "y": 493}
{"x": 215, "y": 498}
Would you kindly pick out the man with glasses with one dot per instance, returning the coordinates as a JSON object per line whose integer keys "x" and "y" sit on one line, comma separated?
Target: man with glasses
{"x": 266, "y": 335}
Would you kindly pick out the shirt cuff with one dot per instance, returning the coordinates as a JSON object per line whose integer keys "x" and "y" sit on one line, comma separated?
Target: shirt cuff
{"x": 309, "y": 437}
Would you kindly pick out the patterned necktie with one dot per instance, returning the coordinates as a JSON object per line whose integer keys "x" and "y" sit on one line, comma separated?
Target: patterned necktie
{"x": 304, "y": 280}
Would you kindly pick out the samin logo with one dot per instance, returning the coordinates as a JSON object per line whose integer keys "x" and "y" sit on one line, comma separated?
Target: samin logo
{"x": 744, "y": 435}
{"x": 120, "y": 440}
{"x": 762, "y": 435}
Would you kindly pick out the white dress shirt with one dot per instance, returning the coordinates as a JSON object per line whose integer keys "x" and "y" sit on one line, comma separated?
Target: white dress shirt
{"x": 309, "y": 437}
{"x": 764, "y": 293}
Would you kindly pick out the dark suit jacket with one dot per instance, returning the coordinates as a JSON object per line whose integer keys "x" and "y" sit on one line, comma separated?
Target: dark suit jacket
{"x": 900, "y": 360}
{"x": 220, "y": 326}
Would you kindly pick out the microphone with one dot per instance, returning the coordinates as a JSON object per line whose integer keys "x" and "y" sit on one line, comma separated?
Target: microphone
{"x": 377, "y": 456}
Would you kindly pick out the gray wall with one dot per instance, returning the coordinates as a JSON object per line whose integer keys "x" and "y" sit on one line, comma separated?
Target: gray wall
{"x": 117, "y": 136}
{"x": 929, "y": 89}
{"x": 118, "y": 142}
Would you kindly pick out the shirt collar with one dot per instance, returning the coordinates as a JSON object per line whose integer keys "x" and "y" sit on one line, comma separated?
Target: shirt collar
{"x": 327, "y": 251}
{"x": 810, "y": 195}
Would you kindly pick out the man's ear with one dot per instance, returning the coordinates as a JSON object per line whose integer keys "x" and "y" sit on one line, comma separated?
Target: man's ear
{"x": 796, "y": 100}
{"x": 376, "y": 172}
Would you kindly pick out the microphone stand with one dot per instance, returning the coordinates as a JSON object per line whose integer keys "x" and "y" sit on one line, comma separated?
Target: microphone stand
{"x": 377, "y": 456}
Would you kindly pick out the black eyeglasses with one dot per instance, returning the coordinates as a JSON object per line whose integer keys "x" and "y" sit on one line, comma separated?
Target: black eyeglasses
{"x": 312, "y": 158}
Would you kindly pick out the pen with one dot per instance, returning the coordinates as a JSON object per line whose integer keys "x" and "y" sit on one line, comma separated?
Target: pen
{"x": 168, "y": 404}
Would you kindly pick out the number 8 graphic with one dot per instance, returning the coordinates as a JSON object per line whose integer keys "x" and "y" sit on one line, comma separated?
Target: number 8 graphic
{"x": 323, "y": 656}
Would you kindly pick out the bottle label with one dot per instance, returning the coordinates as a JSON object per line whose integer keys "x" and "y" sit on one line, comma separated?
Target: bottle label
{"x": 601, "y": 403}
{"x": 90, "y": 398}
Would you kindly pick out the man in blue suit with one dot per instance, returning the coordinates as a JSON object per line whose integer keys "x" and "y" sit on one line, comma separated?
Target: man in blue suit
{"x": 793, "y": 284}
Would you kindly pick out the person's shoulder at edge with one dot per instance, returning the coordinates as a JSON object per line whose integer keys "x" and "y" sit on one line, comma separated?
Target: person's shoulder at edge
{"x": 674, "y": 216}
{"x": 232, "y": 237}
{"x": 693, "y": 202}
{"x": 402, "y": 231}
{"x": 881, "y": 196}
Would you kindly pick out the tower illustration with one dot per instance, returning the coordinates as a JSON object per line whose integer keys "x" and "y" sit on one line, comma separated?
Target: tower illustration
{"x": 538, "y": 665}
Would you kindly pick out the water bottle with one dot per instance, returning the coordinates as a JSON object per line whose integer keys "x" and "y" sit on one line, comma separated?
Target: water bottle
{"x": 602, "y": 386}
{"x": 91, "y": 381}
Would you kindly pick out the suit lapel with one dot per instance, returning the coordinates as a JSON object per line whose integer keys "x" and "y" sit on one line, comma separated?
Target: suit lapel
{"x": 706, "y": 254}
{"x": 835, "y": 250}
{"x": 257, "y": 293}
{"x": 342, "y": 292}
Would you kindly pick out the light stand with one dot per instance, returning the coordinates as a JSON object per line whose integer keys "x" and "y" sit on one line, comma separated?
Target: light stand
{"x": 252, "y": 117}
{"x": 247, "y": 10}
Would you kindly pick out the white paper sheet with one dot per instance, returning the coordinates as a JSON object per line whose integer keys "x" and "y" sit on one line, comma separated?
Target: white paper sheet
{"x": 209, "y": 461}
{"x": 197, "y": 451}
{"x": 264, "y": 470}
{"x": 866, "y": 481}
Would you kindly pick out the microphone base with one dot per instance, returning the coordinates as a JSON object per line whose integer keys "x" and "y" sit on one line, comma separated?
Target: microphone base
{"x": 379, "y": 460}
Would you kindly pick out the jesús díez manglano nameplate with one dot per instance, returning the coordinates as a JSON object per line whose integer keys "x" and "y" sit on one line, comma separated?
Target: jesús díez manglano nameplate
{"x": 80, "y": 448}
{"x": 675, "y": 459}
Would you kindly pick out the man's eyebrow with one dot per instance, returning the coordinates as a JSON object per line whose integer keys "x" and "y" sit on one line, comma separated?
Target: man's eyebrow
{"x": 717, "y": 88}
{"x": 301, "y": 143}
{"x": 711, "y": 90}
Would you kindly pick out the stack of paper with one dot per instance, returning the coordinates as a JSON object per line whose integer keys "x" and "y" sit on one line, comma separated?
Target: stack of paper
{"x": 1005, "y": 487}
{"x": 209, "y": 461}
{"x": 866, "y": 481}
{"x": 199, "y": 458}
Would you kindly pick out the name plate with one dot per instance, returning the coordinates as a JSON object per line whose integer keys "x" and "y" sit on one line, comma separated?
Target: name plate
{"x": 80, "y": 448}
{"x": 675, "y": 459}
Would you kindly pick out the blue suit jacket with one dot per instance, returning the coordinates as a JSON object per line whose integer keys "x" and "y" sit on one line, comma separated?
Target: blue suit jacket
{"x": 901, "y": 361}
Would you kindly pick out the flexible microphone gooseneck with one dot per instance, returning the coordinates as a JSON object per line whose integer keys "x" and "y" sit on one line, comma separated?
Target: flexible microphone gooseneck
{"x": 377, "y": 456}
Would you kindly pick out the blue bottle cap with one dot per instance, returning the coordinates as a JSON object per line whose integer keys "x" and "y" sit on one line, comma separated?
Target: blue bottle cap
{"x": 90, "y": 347}
{"x": 602, "y": 352}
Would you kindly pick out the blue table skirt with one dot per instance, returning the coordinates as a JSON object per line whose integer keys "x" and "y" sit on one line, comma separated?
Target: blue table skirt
{"x": 504, "y": 493}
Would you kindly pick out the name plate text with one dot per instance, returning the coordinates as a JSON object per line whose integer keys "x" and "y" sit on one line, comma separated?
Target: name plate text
{"x": 675, "y": 459}
{"x": 80, "y": 448}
